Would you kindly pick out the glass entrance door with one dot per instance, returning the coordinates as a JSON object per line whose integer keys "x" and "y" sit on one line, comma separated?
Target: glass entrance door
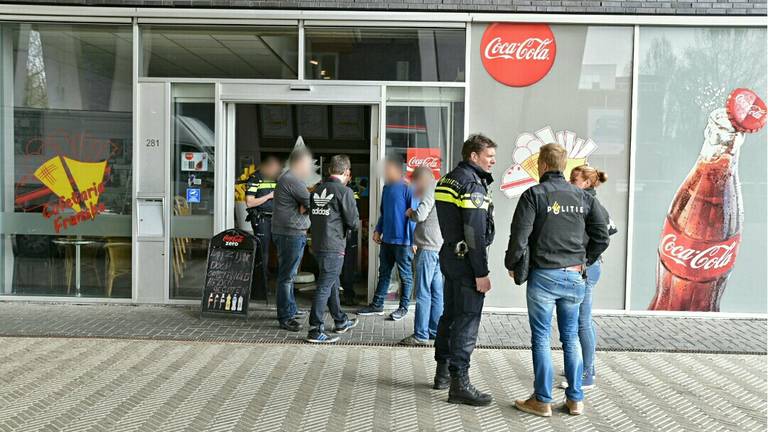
{"x": 192, "y": 186}
{"x": 264, "y": 132}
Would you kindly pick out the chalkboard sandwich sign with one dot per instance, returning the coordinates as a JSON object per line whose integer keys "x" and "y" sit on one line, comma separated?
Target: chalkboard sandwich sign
{"x": 232, "y": 256}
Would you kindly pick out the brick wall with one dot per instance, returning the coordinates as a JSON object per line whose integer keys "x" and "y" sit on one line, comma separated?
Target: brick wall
{"x": 625, "y": 7}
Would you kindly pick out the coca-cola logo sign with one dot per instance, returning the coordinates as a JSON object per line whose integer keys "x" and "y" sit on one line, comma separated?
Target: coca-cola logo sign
{"x": 518, "y": 55}
{"x": 696, "y": 260}
{"x": 233, "y": 239}
{"x": 426, "y": 157}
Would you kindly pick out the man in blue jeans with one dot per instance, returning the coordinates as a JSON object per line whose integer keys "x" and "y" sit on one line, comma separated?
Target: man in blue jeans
{"x": 333, "y": 213}
{"x": 551, "y": 222}
{"x": 394, "y": 234}
{"x": 428, "y": 279}
{"x": 290, "y": 222}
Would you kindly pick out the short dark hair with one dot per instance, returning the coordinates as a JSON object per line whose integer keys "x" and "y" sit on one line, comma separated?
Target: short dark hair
{"x": 298, "y": 155}
{"x": 339, "y": 164}
{"x": 420, "y": 172}
{"x": 476, "y": 143}
{"x": 270, "y": 159}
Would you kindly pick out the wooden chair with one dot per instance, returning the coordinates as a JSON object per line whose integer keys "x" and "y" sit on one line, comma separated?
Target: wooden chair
{"x": 180, "y": 208}
{"x": 118, "y": 262}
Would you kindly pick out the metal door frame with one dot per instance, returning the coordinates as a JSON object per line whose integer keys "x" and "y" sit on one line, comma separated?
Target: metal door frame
{"x": 229, "y": 94}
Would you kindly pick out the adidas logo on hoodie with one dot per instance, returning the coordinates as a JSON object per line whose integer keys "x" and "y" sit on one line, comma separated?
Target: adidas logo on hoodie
{"x": 322, "y": 201}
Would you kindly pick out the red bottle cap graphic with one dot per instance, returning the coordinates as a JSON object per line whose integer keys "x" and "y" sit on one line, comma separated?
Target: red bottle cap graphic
{"x": 746, "y": 110}
{"x": 518, "y": 55}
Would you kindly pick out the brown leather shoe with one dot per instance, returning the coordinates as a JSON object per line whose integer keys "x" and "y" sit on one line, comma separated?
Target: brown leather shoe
{"x": 574, "y": 407}
{"x": 533, "y": 406}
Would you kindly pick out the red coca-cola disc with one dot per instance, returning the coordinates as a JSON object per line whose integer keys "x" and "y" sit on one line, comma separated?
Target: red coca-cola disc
{"x": 518, "y": 54}
{"x": 746, "y": 110}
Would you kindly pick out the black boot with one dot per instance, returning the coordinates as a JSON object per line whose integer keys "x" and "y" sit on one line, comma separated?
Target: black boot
{"x": 442, "y": 377}
{"x": 463, "y": 392}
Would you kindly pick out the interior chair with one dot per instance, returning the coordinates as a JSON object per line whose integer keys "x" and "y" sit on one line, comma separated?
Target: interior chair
{"x": 118, "y": 262}
{"x": 180, "y": 208}
{"x": 33, "y": 260}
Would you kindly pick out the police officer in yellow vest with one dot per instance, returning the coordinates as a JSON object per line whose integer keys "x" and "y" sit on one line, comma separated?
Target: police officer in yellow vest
{"x": 465, "y": 212}
{"x": 259, "y": 191}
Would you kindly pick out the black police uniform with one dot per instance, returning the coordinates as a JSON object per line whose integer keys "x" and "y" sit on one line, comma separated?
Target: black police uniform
{"x": 261, "y": 222}
{"x": 465, "y": 212}
{"x": 349, "y": 269}
{"x": 557, "y": 241}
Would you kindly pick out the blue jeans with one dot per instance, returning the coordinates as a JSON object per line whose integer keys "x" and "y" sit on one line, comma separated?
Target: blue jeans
{"x": 290, "y": 250}
{"x": 327, "y": 290}
{"x": 429, "y": 293}
{"x": 549, "y": 289}
{"x": 389, "y": 255}
{"x": 587, "y": 334}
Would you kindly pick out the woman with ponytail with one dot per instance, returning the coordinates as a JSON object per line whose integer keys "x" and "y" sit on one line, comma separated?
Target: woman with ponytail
{"x": 588, "y": 178}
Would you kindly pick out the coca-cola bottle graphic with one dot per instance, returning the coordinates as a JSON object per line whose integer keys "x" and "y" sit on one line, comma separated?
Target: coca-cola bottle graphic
{"x": 702, "y": 231}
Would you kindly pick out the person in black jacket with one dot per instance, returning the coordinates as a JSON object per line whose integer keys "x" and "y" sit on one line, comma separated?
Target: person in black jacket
{"x": 465, "y": 214}
{"x": 333, "y": 213}
{"x": 550, "y": 223}
{"x": 588, "y": 179}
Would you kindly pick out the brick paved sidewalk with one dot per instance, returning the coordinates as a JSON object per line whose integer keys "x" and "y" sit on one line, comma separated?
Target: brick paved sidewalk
{"x": 127, "y": 385}
{"x": 615, "y": 333}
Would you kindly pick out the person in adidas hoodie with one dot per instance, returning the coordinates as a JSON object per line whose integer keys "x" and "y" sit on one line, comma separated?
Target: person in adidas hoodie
{"x": 333, "y": 213}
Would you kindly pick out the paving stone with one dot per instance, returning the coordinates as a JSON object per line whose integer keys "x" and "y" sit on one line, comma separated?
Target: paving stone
{"x": 120, "y": 385}
{"x": 499, "y": 330}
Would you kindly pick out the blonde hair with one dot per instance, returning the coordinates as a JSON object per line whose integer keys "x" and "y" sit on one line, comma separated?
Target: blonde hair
{"x": 553, "y": 156}
{"x": 594, "y": 176}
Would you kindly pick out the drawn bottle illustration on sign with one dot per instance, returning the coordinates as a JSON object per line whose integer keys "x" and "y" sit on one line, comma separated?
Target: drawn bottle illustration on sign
{"x": 524, "y": 171}
{"x": 702, "y": 231}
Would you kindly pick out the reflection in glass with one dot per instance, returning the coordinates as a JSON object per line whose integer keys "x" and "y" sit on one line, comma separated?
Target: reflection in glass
{"x": 192, "y": 183}
{"x": 584, "y": 104}
{"x": 685, "y": 74}
{"x": 70, "y": 225}
{"x": 218, "y": 52}
{"x": 385, "y": 54}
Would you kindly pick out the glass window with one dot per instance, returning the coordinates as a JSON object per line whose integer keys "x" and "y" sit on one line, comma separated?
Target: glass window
{"x": 421, "y": 124}
{"x": 192, "y": 183}
{"x": 583, "y": 103}
{"x": 67, "y": 209}
{"x": 385, "y": 54}
{"x": 216, "y": 52}
{"x": 686, "y": 74}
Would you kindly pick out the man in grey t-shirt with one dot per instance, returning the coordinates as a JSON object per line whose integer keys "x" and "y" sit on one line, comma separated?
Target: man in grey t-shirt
{"x": 427, "y": 278}
{"x": 290, "y": 222}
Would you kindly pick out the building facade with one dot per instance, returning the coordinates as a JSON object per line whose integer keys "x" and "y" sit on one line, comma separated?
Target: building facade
{"x": 125, "y": 130}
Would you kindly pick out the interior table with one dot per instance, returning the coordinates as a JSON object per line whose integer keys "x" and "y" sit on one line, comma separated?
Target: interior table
{"x": 77, "y": 243}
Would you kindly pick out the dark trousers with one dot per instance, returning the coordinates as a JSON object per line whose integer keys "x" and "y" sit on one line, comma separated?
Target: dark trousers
{"x": 462, "y": 309}
{"x": 327, "y": 290}
{"x": 349, "y": 269}
{"x": 262, "y": 228}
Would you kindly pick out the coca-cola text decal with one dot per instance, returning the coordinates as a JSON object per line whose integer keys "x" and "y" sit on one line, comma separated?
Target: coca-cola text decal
{"x": 696, "y": 260}
{"x": 428, "y": 157}
{"x": 518, "y": 55}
